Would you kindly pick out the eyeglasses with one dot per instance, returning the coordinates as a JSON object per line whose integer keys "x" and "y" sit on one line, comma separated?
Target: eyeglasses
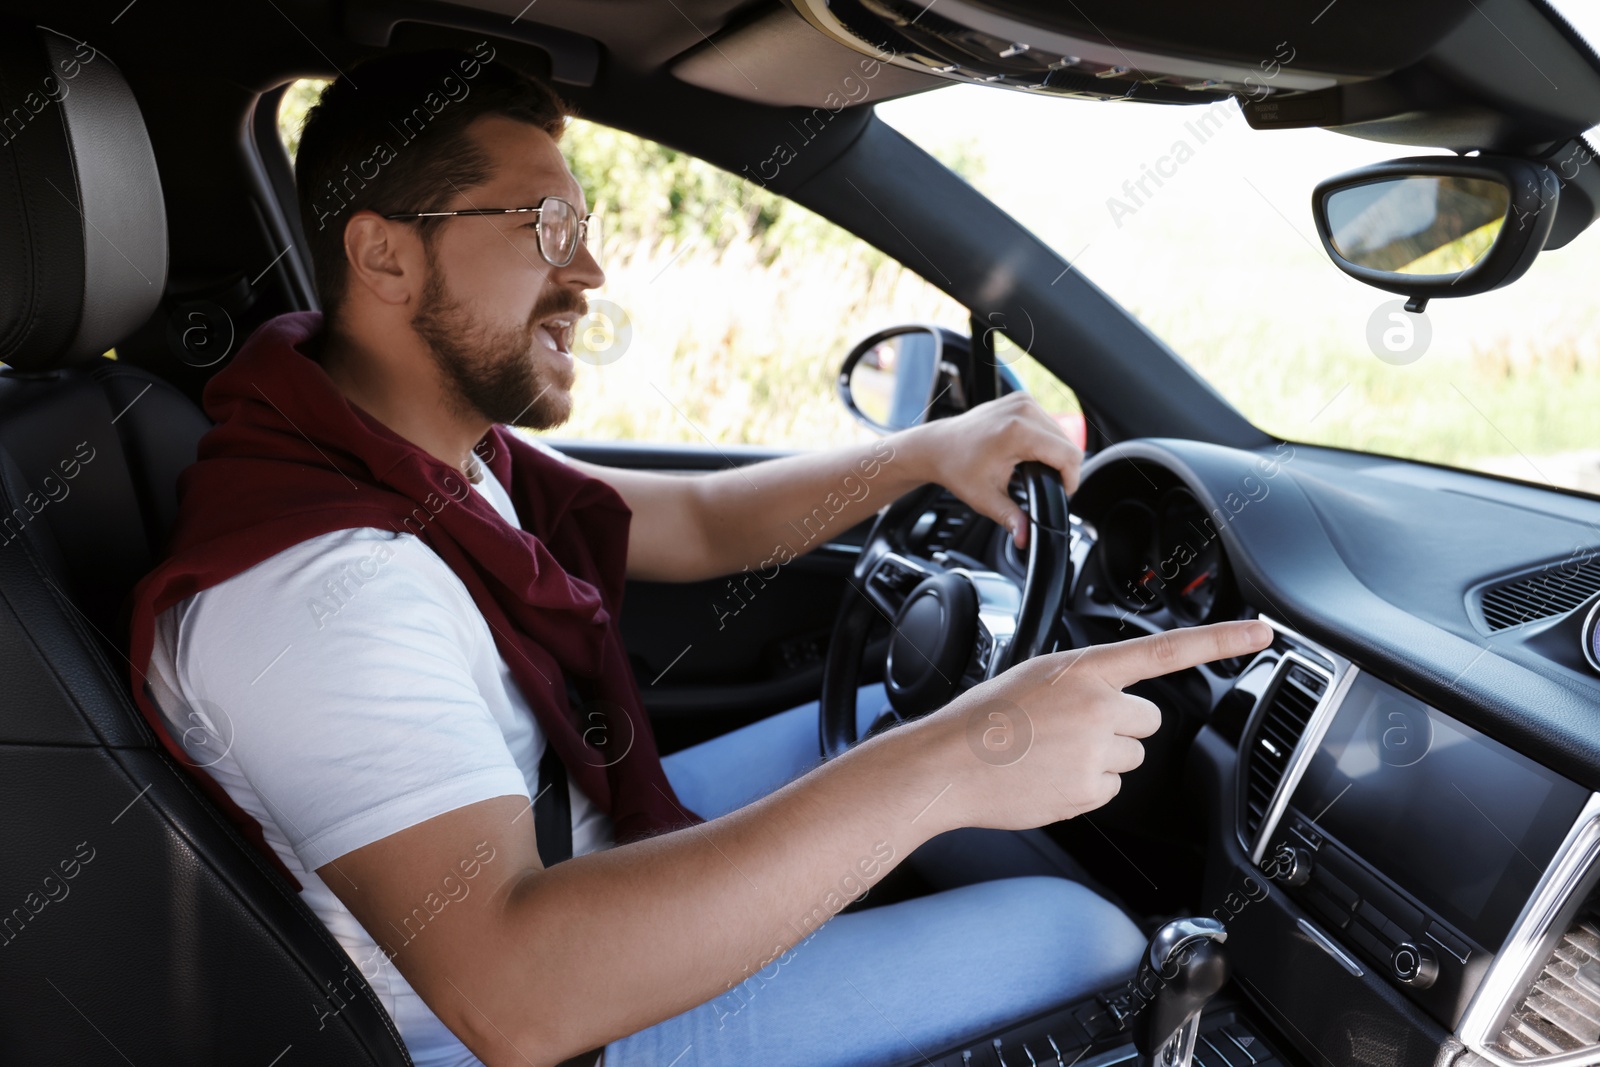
{"x": 559, "y": 229}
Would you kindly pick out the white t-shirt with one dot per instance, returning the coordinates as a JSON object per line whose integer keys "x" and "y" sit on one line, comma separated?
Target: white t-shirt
{"x": 341, "y": 691}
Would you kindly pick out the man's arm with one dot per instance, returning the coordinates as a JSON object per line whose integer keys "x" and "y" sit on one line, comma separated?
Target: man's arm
{"x": 532, "y": 966}
{"x": 687, "y": 528}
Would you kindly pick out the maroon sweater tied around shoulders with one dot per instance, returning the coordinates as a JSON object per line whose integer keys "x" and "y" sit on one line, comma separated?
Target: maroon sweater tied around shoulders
{"x": 290, "y": 459}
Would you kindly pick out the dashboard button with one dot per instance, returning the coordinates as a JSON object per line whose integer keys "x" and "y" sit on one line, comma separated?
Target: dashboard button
{"x": 1291, "y": 865}
{"x": 1375, "y": 919}
{"x": 1329, "y": 909}
{"x": 1250, "y": 1043}
{"x": 1307, "y": 833}
{"x": 1222, "y": 1050}
{"x": 1335, "y": 887}
{"x": 1449, "y": 942}
{"x": 1393, "y": 907}
{"x": 1369, "y": 941}
{"x": 1415, "y": 965}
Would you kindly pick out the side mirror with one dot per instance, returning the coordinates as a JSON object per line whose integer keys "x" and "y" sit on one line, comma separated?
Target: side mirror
{"x": 1437, "y": 225}
{"x": 897, "y": 377}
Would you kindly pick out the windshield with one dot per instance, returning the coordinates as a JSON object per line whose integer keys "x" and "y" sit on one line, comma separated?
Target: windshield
{"x": 1202, "y": 228}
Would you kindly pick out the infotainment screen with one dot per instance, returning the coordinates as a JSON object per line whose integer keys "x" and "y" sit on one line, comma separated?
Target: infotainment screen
{"x": 1463, "y": 823}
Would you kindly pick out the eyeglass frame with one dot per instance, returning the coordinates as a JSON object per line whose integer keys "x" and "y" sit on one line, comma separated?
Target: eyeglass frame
{"x": 538, "y": 234}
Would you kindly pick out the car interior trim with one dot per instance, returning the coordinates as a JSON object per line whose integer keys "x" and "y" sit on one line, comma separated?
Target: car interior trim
{"x": 1328, "y": 945}
{"x": 1561, "y": 891}
{"x": 1339, "y": 678}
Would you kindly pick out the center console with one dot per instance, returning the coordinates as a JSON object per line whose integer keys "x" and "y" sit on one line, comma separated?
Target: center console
{"x": 1166, "y": 1015}
{"x": 1396, "y": 889}
{"x": 1097, "y": 1033}
{"x": 1417, "y": 849}
{"x": 1418, "y": 839}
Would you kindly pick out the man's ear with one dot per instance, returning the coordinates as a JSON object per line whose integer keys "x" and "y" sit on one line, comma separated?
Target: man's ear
{"x": 383, "y": 257}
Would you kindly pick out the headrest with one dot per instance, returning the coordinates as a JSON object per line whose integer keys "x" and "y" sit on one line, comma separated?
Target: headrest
{"x": 83, "y": 231}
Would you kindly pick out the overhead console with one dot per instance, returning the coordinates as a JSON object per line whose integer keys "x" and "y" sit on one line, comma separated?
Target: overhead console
{"x": 1437, "y": 73}
{"x": 1426, "y": 852}
{"x": 1022, "y": 45}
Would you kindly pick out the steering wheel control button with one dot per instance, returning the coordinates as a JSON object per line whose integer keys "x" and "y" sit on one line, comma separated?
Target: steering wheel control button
{"x": 982, "y": 649}
{"x": 1415, "y": 965}
{"x": 895, "y": 578}
{"x": 931, "y": 643}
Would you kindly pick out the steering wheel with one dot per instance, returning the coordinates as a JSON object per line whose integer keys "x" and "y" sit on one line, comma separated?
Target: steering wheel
{"x": 952, "y": 626}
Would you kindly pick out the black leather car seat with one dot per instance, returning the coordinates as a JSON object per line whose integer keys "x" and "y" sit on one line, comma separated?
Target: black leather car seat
{"x": 136, "y": 925}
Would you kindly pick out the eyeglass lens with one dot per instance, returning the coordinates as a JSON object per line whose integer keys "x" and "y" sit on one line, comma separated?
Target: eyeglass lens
{"x": 558, "y": 230}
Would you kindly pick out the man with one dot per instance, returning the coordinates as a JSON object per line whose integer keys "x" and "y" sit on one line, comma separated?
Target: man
{"x": 376, "y": 666}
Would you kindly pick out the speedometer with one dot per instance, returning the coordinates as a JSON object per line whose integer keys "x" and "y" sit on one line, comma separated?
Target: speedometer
{"x": 1191, "y": 565}
{"x": 1127, "y": 547}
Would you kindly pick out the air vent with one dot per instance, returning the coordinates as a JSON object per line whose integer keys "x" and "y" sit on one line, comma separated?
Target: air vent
{"x": 1282, "y": 723}
{"x": 1555, "y": 590}
{"x": 1561, "y": 1010}
{"x": 942, "y": 526}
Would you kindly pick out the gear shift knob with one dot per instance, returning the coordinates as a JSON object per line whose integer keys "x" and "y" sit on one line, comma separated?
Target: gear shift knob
{"x": 1183, "y": 969}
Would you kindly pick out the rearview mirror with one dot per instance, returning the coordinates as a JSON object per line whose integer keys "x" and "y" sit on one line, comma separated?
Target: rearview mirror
{"x": 894, "y": 379}
{"x": 1437, "y": 225}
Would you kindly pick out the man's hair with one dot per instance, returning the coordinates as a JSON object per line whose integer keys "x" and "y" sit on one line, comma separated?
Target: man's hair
{"x": 390, "y": 136}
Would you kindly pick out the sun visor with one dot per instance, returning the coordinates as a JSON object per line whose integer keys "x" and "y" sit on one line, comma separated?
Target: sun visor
{"x": 780, "y": 60}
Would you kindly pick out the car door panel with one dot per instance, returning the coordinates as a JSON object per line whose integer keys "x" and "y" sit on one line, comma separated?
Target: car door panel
{"x": 714, "y": 655}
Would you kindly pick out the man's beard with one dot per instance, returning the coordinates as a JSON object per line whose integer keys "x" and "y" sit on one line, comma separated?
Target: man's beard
{"x": 496, "y": 373}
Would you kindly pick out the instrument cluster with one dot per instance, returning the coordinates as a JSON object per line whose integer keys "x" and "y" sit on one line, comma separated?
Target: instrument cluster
{"x": 1162, "y": 551}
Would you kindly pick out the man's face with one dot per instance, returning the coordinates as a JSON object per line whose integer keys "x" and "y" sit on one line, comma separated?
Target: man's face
{"x": 497, "y": 317}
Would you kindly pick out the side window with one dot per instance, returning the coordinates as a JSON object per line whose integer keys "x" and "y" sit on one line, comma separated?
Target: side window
{"x": 726, "y": 309}
{"x": 1060, "y": 402}
{"x": 293, "y": 107}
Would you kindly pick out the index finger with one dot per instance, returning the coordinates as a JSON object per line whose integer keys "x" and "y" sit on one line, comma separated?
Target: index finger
{"x": 1126, "y": 662}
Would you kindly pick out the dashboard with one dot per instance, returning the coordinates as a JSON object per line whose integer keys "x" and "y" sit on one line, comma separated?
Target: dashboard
{"x": 1411, "y": 769}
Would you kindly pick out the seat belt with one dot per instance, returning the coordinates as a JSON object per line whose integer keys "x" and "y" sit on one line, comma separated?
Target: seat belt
{"x": 552, "y": 825}
{"x": 552, "y": 807}
{"x": 552, "y": 810}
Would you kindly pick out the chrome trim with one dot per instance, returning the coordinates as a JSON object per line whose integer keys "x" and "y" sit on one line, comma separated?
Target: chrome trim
{"x": 1178, "y": 1050}
{"x": 1178, "y": 935}
{"x": 1117, "y": 1054}
{"x": 1328, "y": 945}
{"x": 999, "y": 611}
{"x": 1555, "y": 901}
{"x": 1589, "y": 622}
{"x": 1339, "y": 681}
{"x": 999, "y": 600}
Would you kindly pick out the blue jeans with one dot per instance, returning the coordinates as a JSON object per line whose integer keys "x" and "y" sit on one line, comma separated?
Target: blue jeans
{"x": 901, "y": 980}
